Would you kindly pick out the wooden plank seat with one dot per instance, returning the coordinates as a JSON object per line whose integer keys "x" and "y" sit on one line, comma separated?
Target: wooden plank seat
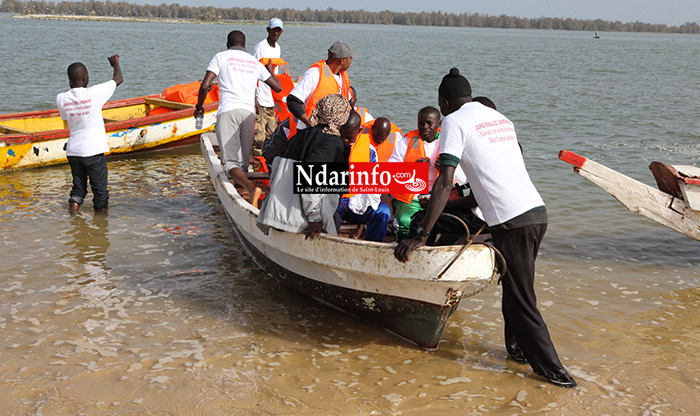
{"x": 110, "y": 120}
{"x": 13, "y": 130}
{"x": 157, "y": 102}
{"x": 352, "y": 230}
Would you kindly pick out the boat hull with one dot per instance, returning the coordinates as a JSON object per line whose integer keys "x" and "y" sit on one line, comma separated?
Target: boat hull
{"x": 361, "y": 278}
{"x": 43, "y": 148}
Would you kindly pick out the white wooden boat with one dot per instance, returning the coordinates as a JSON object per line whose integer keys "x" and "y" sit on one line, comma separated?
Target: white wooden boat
{"x": 676, "y": 204}
{"x": 362, "y": 278}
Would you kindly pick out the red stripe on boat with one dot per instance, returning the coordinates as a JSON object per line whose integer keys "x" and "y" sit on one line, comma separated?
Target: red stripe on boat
{"x": 573, "y": 158}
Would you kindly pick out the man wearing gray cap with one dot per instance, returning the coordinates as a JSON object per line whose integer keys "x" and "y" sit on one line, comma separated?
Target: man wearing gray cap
{"x": 321, "y": 79}
{"x": 265, "y": 122}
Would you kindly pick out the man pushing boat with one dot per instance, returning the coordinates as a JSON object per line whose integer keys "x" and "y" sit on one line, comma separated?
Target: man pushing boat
{"x": 483, "y": 142}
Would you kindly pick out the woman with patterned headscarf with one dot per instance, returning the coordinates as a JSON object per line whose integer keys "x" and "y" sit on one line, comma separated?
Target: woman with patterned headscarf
{"x": 319, "y": 143}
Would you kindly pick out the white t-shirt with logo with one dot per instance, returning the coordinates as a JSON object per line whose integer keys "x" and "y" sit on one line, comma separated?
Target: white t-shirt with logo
{"x": 238, "y": 74}
{"x": 264, "y": 50}
{"x": 485, "y": 143}
{"x": 82, "y": 109}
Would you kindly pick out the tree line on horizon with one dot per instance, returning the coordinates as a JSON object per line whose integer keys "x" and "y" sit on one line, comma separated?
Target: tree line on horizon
{"x": 330, "y": 15}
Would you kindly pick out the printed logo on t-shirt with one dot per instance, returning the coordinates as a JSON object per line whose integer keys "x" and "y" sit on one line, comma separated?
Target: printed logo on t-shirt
{"x": 498, "y": 131}
{"x": 76, "y": 108}
{"x": 241, "y": 65}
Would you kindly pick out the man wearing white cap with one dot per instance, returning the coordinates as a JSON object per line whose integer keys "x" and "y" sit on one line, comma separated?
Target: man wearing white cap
{"x": 265, "y": 122}
{"x": 322, "y": 78}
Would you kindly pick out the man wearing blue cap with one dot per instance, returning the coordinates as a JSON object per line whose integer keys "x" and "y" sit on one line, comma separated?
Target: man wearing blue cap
{"x": 265, "y": 122}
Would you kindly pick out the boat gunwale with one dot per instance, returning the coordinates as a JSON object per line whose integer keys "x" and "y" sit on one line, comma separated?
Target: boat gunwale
{"x": 422, "y": 251}
{"x": 24, "y": 138}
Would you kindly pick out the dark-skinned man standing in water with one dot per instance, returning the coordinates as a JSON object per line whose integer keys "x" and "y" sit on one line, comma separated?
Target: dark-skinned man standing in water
{"x": 483, "y": 142}
{"x": 81, "y": 107}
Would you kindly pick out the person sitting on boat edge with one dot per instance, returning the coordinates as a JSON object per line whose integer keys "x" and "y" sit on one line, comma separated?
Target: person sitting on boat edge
{"x": 365, "y": 208}
{"x": 81, "y": 108}
{"x": 484, "y": 143}
{"x": 311, "y": 214}
{"x": 238, "y": 74}
{"x": 265, "y": 121}
{"x": 325, "y": 77}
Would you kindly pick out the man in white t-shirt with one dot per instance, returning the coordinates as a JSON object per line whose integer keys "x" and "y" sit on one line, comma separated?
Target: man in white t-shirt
{"x": 81, "y": 108}
{"x": 238, "y": 74}
{"x": 483, "y": 143}
{"x": 265, "y": 121}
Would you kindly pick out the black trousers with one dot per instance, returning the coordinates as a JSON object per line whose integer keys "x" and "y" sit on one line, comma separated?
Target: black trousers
{"x": 524, "y": 325}
{"x": 93, "y": 168}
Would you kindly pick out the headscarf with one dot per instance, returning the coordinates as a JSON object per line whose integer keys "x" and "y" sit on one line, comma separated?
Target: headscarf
{"x": 332, "y": 111}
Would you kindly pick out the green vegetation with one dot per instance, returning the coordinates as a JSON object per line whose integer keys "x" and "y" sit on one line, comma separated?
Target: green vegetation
{"x": 213, "y": 14}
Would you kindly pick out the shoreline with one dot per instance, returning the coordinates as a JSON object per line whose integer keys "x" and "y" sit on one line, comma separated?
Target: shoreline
{"x": 86, "y": 18}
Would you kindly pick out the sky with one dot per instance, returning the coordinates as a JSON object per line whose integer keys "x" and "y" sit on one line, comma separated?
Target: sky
{"x": 669, "y": 12}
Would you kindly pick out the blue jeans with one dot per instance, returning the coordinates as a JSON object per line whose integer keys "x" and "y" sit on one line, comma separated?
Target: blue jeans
{"x": 93, "y": 168}
{"x": 376, "y": 220}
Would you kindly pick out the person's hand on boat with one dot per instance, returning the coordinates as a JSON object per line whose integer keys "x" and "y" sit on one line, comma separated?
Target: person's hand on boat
{"x": 402, "y": 252}
{"x": 315, "y": 228}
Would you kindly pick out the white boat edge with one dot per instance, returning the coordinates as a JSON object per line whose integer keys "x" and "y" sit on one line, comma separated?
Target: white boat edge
{"x": 367, "y": 271}
{"x": 638, "y": 197}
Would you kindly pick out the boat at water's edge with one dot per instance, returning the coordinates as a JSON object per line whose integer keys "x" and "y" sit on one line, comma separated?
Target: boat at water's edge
{"x": 39, "y": 138}
{"x": 413, "y": 300}
{"x": 676, "y": 204}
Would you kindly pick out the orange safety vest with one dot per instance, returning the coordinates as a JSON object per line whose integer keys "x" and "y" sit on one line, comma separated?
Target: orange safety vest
{"x": 359, "y": 152}
{"x": 414, "y": 152}
{"x": 281, "y": 110}
{"x": 362, "y": 111}
{"x": 385, "y": 149}
{"x": 326, "y": 85}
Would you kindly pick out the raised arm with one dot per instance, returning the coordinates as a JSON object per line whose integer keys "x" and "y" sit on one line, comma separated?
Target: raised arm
{"x": 117, "y": 77}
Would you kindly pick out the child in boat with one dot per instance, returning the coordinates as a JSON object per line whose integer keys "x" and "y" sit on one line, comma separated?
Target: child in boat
{"x": 81, "y": 108}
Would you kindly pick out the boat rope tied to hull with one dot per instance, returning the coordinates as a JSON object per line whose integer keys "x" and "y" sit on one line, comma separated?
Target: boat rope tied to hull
{"x": 499, "y": 269}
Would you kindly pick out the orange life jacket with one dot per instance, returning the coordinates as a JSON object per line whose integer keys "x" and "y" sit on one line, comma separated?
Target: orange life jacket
{"x": 326, "y": 85}
{"x": 362, "y": 111}
{"x": 385, "y": 149}
{"x": 414, "y": 151}
{"x": 359, "y": 152}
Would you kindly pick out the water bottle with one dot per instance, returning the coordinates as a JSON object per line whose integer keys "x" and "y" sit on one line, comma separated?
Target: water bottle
{"x": 198, "y": 122}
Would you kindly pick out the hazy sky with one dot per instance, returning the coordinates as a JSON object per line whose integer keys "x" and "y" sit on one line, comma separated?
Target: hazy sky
{"x": 670, "y": 12}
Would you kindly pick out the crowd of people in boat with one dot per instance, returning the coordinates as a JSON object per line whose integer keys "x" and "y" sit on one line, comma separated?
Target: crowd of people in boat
{"x": 473, "y": 142}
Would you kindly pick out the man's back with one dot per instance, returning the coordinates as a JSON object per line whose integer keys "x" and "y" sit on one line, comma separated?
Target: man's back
{"x": 82, "y": 110}
{"x": 238, "y": 73}
{"x": 485, "y": 142}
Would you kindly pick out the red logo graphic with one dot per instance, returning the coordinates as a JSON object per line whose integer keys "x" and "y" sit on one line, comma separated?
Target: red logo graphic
{"x": 389, "y": 178}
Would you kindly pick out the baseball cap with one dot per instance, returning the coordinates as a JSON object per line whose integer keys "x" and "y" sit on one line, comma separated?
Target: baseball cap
{"x": 275, "y": 22}
{"x": 341, "y": 49}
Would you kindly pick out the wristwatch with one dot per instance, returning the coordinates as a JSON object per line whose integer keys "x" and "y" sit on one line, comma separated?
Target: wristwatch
{"x": 421, "y": 232}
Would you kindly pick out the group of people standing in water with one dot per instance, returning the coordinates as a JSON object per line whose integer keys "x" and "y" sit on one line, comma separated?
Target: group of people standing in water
{"x": 474, "y": 144}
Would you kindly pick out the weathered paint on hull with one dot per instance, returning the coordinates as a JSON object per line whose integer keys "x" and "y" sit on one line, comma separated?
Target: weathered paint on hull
{"x": 419, "y": 322}
{"x": 359, "y": 277}
{"x": 147, "y": 133}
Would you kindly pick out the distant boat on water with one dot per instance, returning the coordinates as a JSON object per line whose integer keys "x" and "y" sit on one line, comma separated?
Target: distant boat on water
{"x": 595, "y": 35}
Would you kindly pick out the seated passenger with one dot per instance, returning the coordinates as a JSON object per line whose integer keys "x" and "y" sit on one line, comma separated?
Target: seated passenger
{"x": 383, "y": 135}
{"x": 362, "y": 111}
{"x": 423, "y": 145}
{"x": 311, "y": 214}
{"x": 364, "y": 208}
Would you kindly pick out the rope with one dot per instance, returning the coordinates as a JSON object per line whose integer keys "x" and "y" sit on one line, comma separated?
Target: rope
{"x": 499, "y": 269}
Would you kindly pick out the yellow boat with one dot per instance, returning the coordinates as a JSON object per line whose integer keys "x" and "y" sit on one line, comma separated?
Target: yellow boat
{"x": 39, "y": 138}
